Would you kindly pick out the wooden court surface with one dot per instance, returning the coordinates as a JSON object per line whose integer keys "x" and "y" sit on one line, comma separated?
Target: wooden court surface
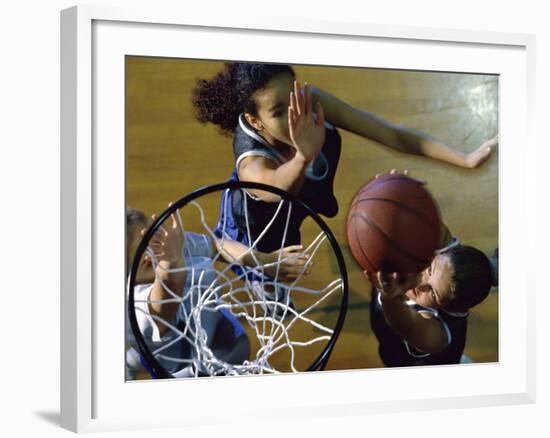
{"x": 170, "y": 154}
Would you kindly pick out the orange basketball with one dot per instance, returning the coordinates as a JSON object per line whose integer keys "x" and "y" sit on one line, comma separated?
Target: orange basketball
{"x": 393, "y": 225}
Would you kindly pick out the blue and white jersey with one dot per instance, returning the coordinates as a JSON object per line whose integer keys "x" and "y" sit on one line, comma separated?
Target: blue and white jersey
{"x": 316, "y": 192}
{"x": 198, "y": 253}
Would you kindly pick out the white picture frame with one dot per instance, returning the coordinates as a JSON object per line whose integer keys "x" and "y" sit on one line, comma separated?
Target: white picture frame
{"x": 94, "y": 396}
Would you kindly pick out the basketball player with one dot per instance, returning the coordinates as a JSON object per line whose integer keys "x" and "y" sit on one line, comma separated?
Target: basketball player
{"x": 422, "y": 320}
{"x": 285, "y": 135}
{"x": 226, "y": 337}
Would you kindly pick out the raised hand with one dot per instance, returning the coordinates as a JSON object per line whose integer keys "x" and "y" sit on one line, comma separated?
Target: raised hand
{"x": 306, "y": 133}
{"x": 392, "y": 286}
{"x": 167, "y": 247}
{"x": 482, "y": 153}
{"x": 167, "y": 243}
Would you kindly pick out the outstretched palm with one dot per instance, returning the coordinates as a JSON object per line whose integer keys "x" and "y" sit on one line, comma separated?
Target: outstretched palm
{"x": 167, "y": 243}
{"x": 482, "y": 153}
{"x": 306, "y": 132}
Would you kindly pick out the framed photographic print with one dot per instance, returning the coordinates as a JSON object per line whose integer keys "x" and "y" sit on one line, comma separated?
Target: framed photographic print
{"x": 383, "y": 145}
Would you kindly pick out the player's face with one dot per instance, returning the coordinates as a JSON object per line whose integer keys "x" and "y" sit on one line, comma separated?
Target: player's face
{"x": 434, "y": 289}
{"x": 272, "y": 104}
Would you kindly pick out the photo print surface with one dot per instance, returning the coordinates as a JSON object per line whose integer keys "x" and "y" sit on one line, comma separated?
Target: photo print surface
{"x": 384, "y": 253}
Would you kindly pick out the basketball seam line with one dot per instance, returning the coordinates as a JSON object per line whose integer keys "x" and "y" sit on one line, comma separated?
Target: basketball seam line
{"x": 409, "y": 209}
{"x": 389, "y": 240}
{"x": 362, "y": 250}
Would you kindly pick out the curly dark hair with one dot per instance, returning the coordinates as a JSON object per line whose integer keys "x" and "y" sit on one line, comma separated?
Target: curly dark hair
{"x": 221, "y": 99}
{"x": 472, "y": 277}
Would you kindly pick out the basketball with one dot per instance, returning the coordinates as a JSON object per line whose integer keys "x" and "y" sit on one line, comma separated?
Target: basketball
{"x": 393, "y": 225}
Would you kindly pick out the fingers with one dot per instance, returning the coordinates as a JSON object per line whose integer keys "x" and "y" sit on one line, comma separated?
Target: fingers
{"x": 291, "y": 124}
{"x": 384, "y": 279}
{"x": 291, "y": 117}
{"x": 482, "y": 157}
{"x": 391, "y": 172}
{"x": 375, "y": 278}
{"x": 160, "y": 229}
{"x": 380, "y": 278}
{"x": 301, "y": 104}
{"x": 296, "y": 261}
{"x": 476, "y": 158}
{"x": 156, "y": 239}
{"x": 493, "y": 142}
{"x": 173, "y": 216}
{"x": 308, "y": 99}
{"x": 292, "y": 248}
{"x": 295, "y": 271}
{"x": 299, "y": 99}
{"x": 320, "y": 114}
{"x": 406, "y": 172}
{"x": 295, "y": 264}
{"x": 294, "y": 104}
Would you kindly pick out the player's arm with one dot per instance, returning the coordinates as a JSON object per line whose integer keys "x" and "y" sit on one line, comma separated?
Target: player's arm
{"x": 292, "y": 262}
{"x": 422, "y": 331}
{"x": 288, "y": 176}
{"x": 167, "y": 245}
{"x": 398, "y": 137}
{"x": 307, "y": 133}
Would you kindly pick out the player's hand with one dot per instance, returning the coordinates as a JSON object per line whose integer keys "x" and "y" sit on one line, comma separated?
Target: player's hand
{"x": 481, "y": 154}
{"x": 306, "y": 133}
{"x": 167, "y": 242}
{"x": 405, "y": 172}
{"x": 394, "y": 285}
{"x": 293, "y": 263}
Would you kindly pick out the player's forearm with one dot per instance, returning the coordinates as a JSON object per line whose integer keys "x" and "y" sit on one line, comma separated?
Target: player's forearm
{"x": 397, "y": 137}
{"x": 399, "y": 316}
{"x": 234, "y": 252}
{"x": 289, "y": 177}
{"x": 169, "y": 281}
{"x": 418, "y": 143}
{"x": 401, "y": 138}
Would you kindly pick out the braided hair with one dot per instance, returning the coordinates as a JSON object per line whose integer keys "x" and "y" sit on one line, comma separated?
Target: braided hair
{"x": 230, "y": 93}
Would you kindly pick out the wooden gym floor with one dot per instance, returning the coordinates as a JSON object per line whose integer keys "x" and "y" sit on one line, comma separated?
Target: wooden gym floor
{"x": 170, "y": 154}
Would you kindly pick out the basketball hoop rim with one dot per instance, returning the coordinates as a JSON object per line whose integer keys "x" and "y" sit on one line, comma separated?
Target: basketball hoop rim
{"x": 158, "y": 370}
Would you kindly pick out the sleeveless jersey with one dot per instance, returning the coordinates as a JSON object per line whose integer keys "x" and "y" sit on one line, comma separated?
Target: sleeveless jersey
{"x": 396, "y": 352}
{"x": 239, "y": 208}
{"x": 198, "y": 255}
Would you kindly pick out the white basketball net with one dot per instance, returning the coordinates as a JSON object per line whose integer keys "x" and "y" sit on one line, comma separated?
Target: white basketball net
{"x": 267, "y": 316}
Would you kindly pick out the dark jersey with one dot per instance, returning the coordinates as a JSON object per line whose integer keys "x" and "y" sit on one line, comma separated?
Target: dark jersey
{"x": 396, "y": 352}
{"x": 243, "y": 215}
